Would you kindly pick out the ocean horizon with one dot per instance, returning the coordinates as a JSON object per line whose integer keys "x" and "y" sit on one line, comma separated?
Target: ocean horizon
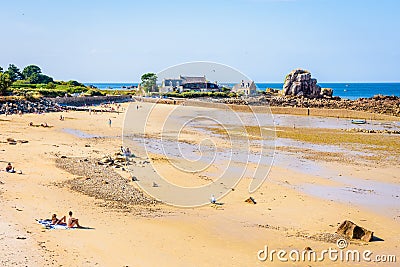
{"x": 344, "y": 90}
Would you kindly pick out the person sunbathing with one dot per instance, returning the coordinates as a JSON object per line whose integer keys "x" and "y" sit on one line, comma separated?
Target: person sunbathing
{"x": 10, "y": 168}
{"x": 56, "y": 221}
{"x": 73, "y": 221}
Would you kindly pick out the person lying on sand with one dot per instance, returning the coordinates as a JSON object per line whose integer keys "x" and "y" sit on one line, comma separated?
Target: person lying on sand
{"x": 73, "y": 221}
{"x": 10, "y": 168}
{"x": 56, "y": 221}
{"x": 34, "y": 125}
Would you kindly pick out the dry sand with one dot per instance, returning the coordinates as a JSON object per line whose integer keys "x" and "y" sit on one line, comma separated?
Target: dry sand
{"x": 226, "y": 235}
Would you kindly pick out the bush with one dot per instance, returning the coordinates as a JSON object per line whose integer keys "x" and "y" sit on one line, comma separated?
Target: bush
{"x": 50, "y": 85}
{"x": 232, "y": 95}
{"x": 93, "y": 92}
{"x": 22, "y": 84}
{"x": 220, "y": 94}
{"x": 74, "y": 90}
{"x": 74, "y": 83}
{"x": 39, "y": 78}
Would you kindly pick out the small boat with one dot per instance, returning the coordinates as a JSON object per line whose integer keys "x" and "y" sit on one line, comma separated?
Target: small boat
{"x": 359, "y": 121}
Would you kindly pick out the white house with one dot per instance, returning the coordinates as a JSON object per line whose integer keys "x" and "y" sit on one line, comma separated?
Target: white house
{"x": 245, "y": 87}
{"x": 169, "y": 85}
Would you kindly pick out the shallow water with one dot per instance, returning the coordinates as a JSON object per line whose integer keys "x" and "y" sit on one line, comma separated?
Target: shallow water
{"x": 284, "y": 120}
{"x": 332, "y": 123}
{"x": 378, "y": 196}
{"x": 79, "y": 133}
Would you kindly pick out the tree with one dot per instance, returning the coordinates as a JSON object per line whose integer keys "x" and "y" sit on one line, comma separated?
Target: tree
{"x": 30, "y": 70}
{"x": 39, "y": 78}
{"x": 149, "y": 81}
{"x": 1, "y": 69}
{"x": 14, "y": 73}
{"x": 74, "y": 83}
{"x": 34, "y": 75}
{"x": 5, "y": 82}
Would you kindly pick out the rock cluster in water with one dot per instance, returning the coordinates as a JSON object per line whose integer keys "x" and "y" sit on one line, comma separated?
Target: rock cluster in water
{"x": 389, "y": 105}
{"x": 24, "y": 106}
{"x": 361, "y": 130}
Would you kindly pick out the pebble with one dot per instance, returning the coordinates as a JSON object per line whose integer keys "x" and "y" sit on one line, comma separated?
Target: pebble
{"x": 102, "y": 183}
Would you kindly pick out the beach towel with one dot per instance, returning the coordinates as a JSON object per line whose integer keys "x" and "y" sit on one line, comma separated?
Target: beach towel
{"x": 47, "y": 224}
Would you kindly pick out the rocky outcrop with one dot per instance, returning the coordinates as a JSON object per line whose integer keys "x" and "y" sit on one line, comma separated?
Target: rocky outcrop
{"x": 327, "y": 92}
{"x": 25, "y": 106}
{"x": 361, "y": 130}
{"x": 388, "y": 105}
{"x": 353, "y": 231}
{"x": 299, "y": 83}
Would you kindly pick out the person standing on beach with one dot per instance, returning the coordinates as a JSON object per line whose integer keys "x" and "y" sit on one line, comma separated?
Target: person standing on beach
{"x": 127, "y": 154}
{"x": 109, "y": 122}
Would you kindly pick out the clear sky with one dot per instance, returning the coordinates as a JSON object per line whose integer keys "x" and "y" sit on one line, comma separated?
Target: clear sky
{"x": 117, "y": 41}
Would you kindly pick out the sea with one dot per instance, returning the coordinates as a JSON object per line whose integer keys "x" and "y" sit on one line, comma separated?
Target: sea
{"x": 344, "y": 90}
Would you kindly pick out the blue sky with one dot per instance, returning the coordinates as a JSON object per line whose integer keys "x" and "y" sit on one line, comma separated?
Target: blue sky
{"x": 95, "y": 41}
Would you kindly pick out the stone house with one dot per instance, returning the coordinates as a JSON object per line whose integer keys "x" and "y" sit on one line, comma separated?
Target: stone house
{"x": 245, "y": 87}
{"x": 187, "y": 84}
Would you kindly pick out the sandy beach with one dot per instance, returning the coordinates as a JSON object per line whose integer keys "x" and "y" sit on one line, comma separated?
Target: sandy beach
{"x": 312, "y": 187}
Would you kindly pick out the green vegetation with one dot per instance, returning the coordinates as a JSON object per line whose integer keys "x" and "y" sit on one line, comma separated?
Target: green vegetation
{"x": 5, "y": 82}
{"x": 149, "y": 82}
{"x": 33, "y": 74}
{"x": 60, "y": 89}
{"x": 32, "y": 83}
{"x": 14, "y": 73}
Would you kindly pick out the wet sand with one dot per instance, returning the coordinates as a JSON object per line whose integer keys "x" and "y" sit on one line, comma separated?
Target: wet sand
{"x": 301, "y": 198}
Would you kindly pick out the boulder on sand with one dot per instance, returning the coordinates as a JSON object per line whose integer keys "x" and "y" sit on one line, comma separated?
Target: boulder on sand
{"x": 353, "y": 231}
{"x": 299, "y": 83}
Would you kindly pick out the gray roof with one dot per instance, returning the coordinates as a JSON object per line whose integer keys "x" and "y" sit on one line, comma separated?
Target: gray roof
{"x": 188, "y": 79}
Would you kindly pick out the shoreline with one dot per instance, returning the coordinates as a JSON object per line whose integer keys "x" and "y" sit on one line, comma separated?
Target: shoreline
{"x": 250, "y": 105}
{"x": 301, "y": 111}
